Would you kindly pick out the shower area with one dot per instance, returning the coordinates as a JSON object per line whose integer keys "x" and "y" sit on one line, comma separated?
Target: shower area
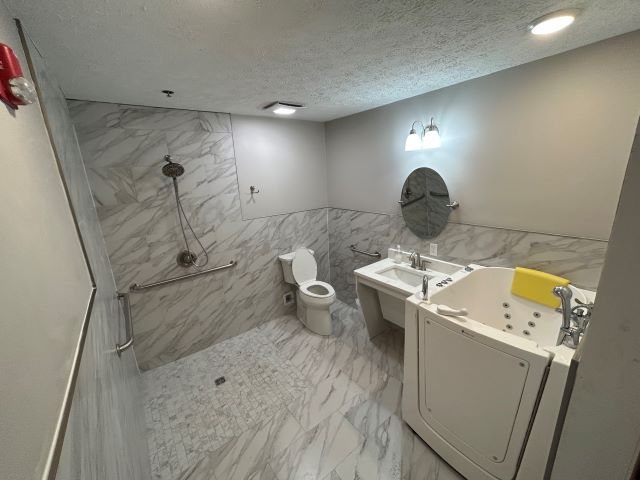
{"x": 169, "y": 203}
{"x": 186, "y": 256}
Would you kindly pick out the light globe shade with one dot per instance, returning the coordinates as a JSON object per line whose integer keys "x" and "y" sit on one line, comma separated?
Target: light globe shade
{"x": 413, "y": 142}
{"x": 431, "y": 139}
{"x": 284, "y": 110}
{"x": 552, "y": 23}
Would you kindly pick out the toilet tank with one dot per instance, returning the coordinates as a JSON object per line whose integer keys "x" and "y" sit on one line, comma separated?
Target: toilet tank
{"x": 286, "y": 259}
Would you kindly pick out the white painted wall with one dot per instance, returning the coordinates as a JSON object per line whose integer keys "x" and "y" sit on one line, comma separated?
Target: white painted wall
{"x": 601, "y": 434}
{"x": 539, "y": 147}
{"x": 44, "y": 286}
{"x": 284, "y": 159}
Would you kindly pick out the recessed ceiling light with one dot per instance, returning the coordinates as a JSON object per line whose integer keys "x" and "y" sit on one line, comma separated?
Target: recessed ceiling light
{"x": 281, "y": 108}
{"x": 552, "y": 22}
{"x": 284, "y": 110}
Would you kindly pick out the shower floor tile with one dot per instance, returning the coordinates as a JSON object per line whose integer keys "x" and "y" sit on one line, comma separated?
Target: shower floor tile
{"x": 189, "y": 415}
{"x": 292, "y": 405}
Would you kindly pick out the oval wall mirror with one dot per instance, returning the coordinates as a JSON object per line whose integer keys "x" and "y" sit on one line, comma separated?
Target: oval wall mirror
{"x": 425, "y": 203}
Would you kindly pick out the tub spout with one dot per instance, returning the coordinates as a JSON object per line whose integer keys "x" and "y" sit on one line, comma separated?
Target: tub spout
{"x": 565, "y": 298}
{"x": 574, "y": 320}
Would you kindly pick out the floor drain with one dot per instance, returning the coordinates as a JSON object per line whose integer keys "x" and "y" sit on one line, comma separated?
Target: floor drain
{"x": 220, "y": 380}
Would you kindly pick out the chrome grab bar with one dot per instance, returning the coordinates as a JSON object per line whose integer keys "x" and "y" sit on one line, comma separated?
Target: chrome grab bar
{"x": 353, "y": 248}
{"x": 136, "y": 288}
{"x": 128, "y": 324}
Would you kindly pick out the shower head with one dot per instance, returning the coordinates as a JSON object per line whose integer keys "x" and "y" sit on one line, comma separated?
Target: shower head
{"x": 172, "y": 169}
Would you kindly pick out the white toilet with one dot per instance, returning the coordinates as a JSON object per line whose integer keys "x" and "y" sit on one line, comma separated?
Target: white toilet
{"x": 313, "y": 296}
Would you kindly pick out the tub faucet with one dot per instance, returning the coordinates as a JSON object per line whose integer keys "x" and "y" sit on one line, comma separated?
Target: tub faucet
{"x": 565, "y": 298}
{"x": 425, "y": 287}
{"x": 574, "y": 320}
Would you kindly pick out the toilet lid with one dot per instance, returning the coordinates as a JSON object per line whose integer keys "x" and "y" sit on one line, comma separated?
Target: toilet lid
{"x": 303, "y": 266}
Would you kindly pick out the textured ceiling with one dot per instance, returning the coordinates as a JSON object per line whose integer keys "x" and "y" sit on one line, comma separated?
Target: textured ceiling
{"x": 337, "y": 56}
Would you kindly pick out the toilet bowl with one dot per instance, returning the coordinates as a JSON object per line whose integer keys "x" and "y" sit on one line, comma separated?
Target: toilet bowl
{"x": 313, "y": 296}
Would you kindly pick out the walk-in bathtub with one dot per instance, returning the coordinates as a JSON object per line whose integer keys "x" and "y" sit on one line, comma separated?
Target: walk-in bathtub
{"x": 484, "y": 389}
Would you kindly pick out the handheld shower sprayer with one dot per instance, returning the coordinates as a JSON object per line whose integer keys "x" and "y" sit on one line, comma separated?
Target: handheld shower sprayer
{"x": 186, "y": 258}
{"x": 172, "y": 169}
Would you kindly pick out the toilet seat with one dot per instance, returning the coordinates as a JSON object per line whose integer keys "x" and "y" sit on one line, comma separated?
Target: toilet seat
{"x": 317, "y": 289}
{"x": 316, "y": 294}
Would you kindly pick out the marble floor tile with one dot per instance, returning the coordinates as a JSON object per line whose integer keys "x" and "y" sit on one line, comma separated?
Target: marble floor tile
{"x": 296, "y": 342}
{"x": 295, "y": 405}
{"x": 389, "y": 394}
{"x": 379, "y": 457}
{"x": 419, "y": 462}
{"x": 367, "y": 416}
{"x": 365, "y": 372}
{"x": 325, "y": 398}
{"x": 382, "y": 403}
{"x": 394, "y": 452}
{"x": 326, "y": 361}
{"x": 302, "y": 344}
{"x": 247, "y": 456}
{"x": 386, "y": 351}
{"x": 280, "y": 329}
{"x": 188, "y": 415}
{"x": 315, "y": 453}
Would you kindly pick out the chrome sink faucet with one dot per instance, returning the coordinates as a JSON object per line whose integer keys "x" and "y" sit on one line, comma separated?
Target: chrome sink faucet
{"x": 574, "y": 320}
{"x": 415, "y": 260}
{"x": 418, "y": 262}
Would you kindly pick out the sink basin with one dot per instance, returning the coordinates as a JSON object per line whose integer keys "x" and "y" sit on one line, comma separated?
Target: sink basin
{"x": 400, "y": 280}
{"x": 404, "y": 274}
{"x": 384, "y": 286}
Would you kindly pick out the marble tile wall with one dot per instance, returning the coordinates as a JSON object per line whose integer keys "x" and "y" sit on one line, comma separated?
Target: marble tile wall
{"x": 123, "y": 148}
{"x": 579, "y": 260}
{"x": 105, "y": 435}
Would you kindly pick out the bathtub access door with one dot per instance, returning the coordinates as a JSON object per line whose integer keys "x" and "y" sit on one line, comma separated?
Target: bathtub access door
{"x": 478, "y": 392}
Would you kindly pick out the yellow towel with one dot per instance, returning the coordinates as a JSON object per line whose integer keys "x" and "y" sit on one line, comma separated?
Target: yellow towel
{"x": 537, "y": 286}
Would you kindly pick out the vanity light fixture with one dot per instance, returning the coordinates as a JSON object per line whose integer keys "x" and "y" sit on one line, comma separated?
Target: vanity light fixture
{"x": 424, "y": 138}
{"x": 552, "y": 22}
{"x": 414, "y": 141}
{"x": 281, "y": 108}
{"x": 431, "y": 137}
